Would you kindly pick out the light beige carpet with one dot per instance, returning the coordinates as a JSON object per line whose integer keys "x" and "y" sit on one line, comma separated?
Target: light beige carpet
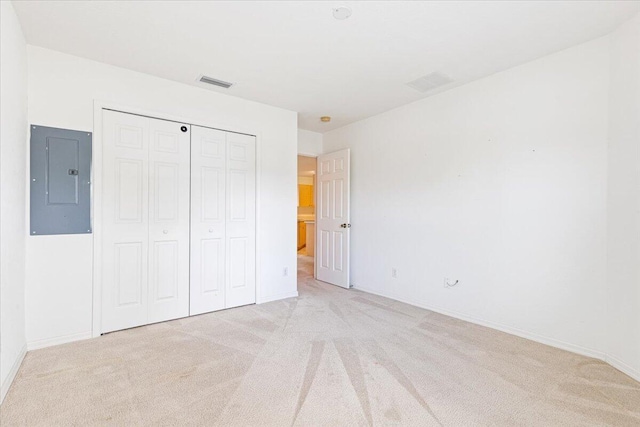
{"x": 330, "y": 357}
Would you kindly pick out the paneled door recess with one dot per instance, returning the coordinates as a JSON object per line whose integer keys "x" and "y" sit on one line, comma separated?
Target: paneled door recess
{"x": 332, "y": 218}
{"x": 223, "y": 220}
{"x": 145, "y": 210}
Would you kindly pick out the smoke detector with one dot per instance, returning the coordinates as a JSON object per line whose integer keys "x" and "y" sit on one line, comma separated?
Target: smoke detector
{"x": 429, "y": 82}
{"x": 215, "y": 82}
{"x": 341, "y": 12}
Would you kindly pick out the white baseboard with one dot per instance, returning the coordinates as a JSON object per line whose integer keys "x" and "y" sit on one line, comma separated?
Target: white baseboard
{"x": 12, "y": 373}
{"x": 34, "y": 345}
{"x": 500, "y": 327}
{"x": 277, "y": 297}
{"x": 623, "y": 367}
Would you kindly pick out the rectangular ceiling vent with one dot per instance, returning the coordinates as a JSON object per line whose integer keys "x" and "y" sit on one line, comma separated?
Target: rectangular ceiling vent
{"x": 429, "y": 82}
{"x": 215, "y": 82}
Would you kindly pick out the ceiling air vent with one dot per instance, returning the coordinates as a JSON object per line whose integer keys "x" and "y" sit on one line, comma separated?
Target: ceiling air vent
{"x": 215, "y": 82}
{"x": 429, "y": 82}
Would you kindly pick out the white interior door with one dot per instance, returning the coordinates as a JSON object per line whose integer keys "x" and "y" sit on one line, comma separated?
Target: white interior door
{"x": 223, "y": 221}
{"x": 240, "y": 220}
{"x": 145, "y": 192}
{"x": 169, "y": 172}
{"x": 208, "y": 211}
{"x": 332, "y": 218}
{"x": 125, "y": 221}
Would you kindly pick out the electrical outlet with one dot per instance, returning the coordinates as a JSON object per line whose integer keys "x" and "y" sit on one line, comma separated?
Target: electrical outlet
{"x": 285, "y": 271}
{"x": 394, "y": 273}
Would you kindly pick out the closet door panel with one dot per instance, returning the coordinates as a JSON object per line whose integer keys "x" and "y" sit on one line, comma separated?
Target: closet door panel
{"x": 125, "y": 220}
{"x": 208, "y": 210}
{"x": 169, "y": 171}
{"x": 178, "y": 220}
{"x": 241, "y": 220}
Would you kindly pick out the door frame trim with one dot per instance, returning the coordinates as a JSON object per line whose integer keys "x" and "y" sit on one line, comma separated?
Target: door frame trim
{"x": 96, "y": 192}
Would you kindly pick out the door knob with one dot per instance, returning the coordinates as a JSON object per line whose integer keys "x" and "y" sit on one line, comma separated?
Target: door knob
{"x": 165, "y": 231}
{"x": 345, "y": 225}
{"x": 211, "y": 230}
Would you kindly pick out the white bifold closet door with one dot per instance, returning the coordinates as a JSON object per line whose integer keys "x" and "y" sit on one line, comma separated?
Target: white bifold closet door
{"x": 145, "y": 208}
{"x": 223, "y": 222}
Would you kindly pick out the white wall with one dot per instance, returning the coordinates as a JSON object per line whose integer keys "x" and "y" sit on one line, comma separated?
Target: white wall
{"x": 13, "y": 136}
{"x": 62, "y": 89}
{"x": 309, "y": 143}
{"x": 623, "y": 268}
{"x": 500, "y": 184}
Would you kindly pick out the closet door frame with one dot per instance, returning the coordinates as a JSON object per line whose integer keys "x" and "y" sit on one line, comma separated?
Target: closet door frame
{"x": 97, "y": 182}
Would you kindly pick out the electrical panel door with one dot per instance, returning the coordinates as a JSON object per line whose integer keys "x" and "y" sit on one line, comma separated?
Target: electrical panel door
{"x": 60, "y": 181}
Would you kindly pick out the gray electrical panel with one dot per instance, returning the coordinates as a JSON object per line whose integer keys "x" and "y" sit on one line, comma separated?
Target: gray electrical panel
{"x": 60, "y": 181}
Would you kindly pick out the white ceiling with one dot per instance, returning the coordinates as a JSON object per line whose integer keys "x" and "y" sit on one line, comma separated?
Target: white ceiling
{"x": 295, "y": 55}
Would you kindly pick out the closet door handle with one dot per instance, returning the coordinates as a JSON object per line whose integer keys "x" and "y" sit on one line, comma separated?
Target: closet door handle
{"x": 165, "y": 231}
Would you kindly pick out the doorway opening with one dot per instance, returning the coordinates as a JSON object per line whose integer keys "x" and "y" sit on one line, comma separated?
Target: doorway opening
{"x": 306, "y": 221}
